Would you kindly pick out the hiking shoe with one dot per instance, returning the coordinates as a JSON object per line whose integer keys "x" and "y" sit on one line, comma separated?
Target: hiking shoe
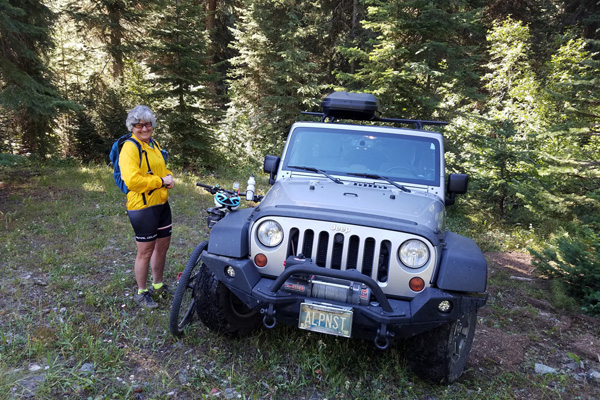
{"x": 164, "y": 291}
{"x": 145, "y": 300}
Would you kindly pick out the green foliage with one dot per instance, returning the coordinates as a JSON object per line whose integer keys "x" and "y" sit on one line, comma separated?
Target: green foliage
{"x": 88, "y": 144}
{"x": 572, "y": 142}
{"x": 571, "y": 155}
{"x": 504, "y": 144}
{"x": 94, "y": 128}
{"x": 181, "y": 92}
{"x": 568, "y": 147}
{"x": 273, "y": 78}
{"x": 561, "y": 297}
{"x": 514, "y": 111}
{"x": 575, "y": 260}
{"x": 12, "y": 160}
{"x": 490, "y": 233}
{"x": 420, "y": 51}
{"x": 112, "y": 23}
{"x": 227, "y": 85}
{"x": 27, "y": 94}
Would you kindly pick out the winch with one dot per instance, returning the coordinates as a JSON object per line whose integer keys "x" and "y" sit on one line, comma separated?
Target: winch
{"x": 327, "y": 288}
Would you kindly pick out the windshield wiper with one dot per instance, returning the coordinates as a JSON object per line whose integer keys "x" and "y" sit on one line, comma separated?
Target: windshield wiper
{"x": 383, "y": 178}
{"x": 319, "y": 171}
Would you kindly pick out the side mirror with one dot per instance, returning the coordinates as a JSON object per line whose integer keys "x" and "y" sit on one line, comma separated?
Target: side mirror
{"x": 271, "y": 166}
{"x": 457, "y": 184}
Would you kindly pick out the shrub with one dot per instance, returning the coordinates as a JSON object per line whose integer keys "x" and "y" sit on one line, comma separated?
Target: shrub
{"x": 12, "y": 160}
{"x": 574, "y": 258}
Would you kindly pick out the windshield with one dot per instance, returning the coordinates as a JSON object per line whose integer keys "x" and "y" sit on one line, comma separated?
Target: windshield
{"x": 400, "y": 157}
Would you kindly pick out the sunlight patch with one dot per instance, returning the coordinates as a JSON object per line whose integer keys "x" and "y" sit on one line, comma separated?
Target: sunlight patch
{"x": 93, "y": 187}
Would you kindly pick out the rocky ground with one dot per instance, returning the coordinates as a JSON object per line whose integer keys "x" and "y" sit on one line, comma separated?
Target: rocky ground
{"x": 518, "y": 330}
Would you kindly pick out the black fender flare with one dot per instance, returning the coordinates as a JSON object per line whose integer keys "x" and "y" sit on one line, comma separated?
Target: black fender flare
{"x": 463, "y": 268}
{"x": 229, "y": 236}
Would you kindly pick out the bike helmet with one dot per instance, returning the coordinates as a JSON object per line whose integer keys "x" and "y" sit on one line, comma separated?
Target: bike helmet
{"x": 224, "y": 200}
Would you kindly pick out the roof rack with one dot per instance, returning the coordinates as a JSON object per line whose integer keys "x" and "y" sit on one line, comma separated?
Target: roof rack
{"x": 359, "y": 107}
{"x": 418, "y": 123}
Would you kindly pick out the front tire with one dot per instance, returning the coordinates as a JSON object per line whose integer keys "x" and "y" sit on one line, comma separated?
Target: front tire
{"x": 440, "y": 355}
{"x": 184, "y": 304}
{"x": 221, "y": 310}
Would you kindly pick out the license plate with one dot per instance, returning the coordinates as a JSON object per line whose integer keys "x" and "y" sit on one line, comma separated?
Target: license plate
{"x": 327, "y": 319}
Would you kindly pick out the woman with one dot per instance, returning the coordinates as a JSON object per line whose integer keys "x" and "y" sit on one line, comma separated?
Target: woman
{"x": 148, "y": 181}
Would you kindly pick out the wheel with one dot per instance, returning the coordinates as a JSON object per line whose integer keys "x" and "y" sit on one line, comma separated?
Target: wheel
{"x": 403, "y": 168}
{"x": 221, "y": 310}
{"x": 440, "y": 355}
{"x": 184, "y": 304}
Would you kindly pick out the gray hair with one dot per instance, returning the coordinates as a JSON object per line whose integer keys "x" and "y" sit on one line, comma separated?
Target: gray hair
{"x": 139, "y": 113}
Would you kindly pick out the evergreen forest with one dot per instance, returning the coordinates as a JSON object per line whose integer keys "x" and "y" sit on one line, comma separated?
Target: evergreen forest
{"x": 518, "y": 81}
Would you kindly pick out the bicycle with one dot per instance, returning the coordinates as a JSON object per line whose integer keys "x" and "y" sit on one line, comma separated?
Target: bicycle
{"x": 226, "y": 201}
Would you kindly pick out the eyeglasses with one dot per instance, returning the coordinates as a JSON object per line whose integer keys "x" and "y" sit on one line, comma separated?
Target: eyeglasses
{"x": 148, "y": 125}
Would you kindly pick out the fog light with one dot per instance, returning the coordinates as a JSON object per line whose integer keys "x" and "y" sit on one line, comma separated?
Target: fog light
{"x": 230, "y": 271}
{"x": 260, "y": 260}
{"x": 445, "y": 306}
{"x": 416, "y": 284}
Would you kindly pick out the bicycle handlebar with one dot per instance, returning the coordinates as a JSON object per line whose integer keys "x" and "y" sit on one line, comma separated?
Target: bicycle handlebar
{"x": 217, "y": 189}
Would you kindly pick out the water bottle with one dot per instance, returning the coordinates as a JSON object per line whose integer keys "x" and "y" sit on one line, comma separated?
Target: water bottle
{"x": 250, "y": 188}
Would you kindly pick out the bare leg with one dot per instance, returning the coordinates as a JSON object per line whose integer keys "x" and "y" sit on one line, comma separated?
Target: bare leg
{"x": 142, "y": 261}
{"x": 159, "y": 257}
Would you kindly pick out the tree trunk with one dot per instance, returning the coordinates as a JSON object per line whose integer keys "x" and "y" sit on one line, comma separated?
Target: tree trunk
{"x": 116, "y": 38}
{"x": 211, "y": 9}
{"x": 353, "y": 28}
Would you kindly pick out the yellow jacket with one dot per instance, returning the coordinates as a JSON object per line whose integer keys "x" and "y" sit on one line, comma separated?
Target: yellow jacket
{"x": 145, "y": 189}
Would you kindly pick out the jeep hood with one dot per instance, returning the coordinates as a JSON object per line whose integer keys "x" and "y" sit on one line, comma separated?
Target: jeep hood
{"x": 378, "y": 199}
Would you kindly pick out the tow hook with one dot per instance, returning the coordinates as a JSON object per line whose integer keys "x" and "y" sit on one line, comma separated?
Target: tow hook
{"x": 382, "y": 340}
{"x": 269, "y": 321}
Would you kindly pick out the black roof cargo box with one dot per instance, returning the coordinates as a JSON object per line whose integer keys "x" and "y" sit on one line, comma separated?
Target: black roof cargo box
{"x": 346, "y": 105}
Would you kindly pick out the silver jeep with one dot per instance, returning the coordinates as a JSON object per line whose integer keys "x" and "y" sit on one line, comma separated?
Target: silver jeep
{"x": 351, "y": 241}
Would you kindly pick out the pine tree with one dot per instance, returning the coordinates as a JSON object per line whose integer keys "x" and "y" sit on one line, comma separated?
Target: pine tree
{"x": 572, "y": 147}
{"x": 114, "y": 23}
{"x": 337, "y": 33}
{"x": 419, "y": 52}
{"x": 575, "y": 261}
{"x": 273, "y": 77}
{"x": 98, "y": 65}
{"x": 514, "y": 114}
{"x": 27, "y": 91}
{"x": 179, "y": 62}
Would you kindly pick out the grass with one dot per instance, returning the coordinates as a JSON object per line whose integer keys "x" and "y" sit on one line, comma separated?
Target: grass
{"x": 69, "y": 328}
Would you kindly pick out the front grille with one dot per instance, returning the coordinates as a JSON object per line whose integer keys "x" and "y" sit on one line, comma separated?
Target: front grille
{"x": 372, "y": 251}
{"x": 334, "y": 250}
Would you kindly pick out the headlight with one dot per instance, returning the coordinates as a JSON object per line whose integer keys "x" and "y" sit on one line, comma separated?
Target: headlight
{"x": 414, "y": 253}
{"x": 270, "y": 233}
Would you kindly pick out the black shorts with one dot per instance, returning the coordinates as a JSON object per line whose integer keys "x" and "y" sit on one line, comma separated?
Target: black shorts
{"x": 151, "y": 223}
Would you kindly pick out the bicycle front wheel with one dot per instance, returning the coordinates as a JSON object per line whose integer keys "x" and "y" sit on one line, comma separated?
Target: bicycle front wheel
{"x": 184, "y": 305}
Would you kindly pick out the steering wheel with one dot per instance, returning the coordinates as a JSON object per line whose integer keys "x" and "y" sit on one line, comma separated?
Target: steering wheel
{"x": 412, "y": 172}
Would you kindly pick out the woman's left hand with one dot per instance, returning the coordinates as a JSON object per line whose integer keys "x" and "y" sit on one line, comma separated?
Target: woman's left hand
{"x": 171, "y": 181}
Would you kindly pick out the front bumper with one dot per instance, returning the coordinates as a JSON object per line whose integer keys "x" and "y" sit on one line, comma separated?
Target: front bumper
{"x": 380, "y": 320}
